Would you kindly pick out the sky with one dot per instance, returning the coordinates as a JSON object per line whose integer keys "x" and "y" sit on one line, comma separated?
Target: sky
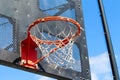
{"x": 95, "y": 39}
{"x": 98, "y": 54}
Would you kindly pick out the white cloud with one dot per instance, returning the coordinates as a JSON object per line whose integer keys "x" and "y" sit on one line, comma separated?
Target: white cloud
{"x": 117, "y": 56}
{"x": 94, "y": 76}
{"x": 100, "y": 67}
{"x": 44, "y": 78}
{"x": 107, "y": 77}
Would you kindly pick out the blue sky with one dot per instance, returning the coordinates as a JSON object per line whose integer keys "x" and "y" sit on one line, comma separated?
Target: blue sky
{"x": 15, "y": 74}
{"x": 95, "y": 39}
{"x": 99, "y": 61}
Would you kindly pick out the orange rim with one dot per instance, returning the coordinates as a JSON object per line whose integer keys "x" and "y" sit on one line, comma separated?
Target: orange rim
{"x": 55, "y": 18}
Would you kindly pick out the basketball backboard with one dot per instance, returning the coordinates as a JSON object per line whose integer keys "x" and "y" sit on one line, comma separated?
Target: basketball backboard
{"x": 18, "y": 14}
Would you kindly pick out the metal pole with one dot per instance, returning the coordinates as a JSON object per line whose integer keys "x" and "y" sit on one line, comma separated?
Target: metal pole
{"x": 109, "y": 42}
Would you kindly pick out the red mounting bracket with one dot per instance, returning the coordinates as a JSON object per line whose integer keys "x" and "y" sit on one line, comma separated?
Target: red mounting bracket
{"x": 28, "y": 53}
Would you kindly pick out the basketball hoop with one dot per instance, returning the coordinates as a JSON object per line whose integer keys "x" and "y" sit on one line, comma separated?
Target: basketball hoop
{"x": 55, "y": 45}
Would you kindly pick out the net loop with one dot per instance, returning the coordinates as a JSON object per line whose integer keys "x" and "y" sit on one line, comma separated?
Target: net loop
{"x": 55, "y": 45}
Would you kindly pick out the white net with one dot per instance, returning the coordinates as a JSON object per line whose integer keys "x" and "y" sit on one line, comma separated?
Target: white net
{"x": 56, "y": 31}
